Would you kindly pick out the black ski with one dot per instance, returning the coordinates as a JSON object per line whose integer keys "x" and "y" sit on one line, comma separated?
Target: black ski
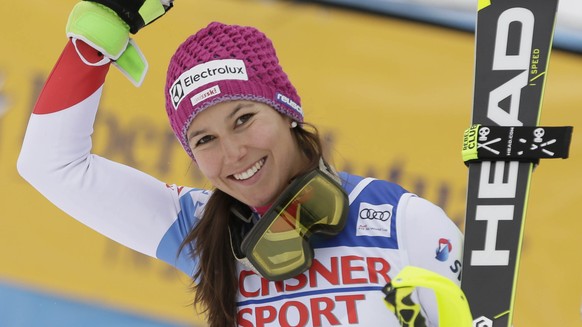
{"x": 513, "y": 45}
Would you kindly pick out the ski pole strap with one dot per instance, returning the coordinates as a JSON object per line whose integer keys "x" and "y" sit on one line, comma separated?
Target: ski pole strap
{"x": 515, "y": 143}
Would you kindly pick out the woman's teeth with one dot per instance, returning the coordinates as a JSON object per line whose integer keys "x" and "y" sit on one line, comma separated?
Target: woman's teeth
{"x": 250, "y": 172}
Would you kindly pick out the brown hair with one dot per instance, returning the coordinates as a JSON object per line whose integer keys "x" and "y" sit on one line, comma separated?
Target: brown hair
{"x": 215, "y": 282}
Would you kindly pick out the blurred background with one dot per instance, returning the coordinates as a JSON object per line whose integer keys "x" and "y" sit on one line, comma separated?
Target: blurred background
{"x": 388, "y": 82}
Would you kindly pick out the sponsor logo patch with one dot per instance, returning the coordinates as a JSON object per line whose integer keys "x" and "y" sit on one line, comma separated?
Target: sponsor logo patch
{"x": 443, "y": 250}
{"x": 335, "y": 291}
{"x": 212, "y": 71}
{"x": 374, "y": 220}
{"x": 289, "y": 103}
{"x": 208, "y": 93}
{"x": 177, "y": 93}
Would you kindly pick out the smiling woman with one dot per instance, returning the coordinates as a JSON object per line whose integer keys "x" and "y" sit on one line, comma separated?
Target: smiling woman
{"x": 282, "y": 238}
{"x": 247, "y": 150}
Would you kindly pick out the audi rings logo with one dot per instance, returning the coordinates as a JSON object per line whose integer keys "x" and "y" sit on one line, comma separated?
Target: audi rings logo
{"x": 374, "y": 214}
{"x": 374, "y": 220}
{"x": 482, "y": 322}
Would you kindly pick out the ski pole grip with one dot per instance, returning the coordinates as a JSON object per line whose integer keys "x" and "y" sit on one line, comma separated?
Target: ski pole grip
{"x": 515, "y": 143}
{"x": 453, "y": 308}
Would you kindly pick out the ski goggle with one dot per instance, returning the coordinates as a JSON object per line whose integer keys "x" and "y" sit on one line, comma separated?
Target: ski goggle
{"x": 278, "y": 246}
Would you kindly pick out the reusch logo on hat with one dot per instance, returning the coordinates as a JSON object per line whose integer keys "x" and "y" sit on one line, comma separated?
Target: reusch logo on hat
{"x": 212, "y": 71}
{"x": 289, "y": 103}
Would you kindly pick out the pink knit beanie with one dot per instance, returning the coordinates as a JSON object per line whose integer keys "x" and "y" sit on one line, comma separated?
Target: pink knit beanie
{"x": 224, "y": 63}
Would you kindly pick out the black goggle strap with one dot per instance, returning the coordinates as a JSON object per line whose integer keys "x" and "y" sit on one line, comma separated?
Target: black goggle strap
{"x": 241, "y": 216}
{"x": 329, "y": 170}
{"x": 237, "y": 253}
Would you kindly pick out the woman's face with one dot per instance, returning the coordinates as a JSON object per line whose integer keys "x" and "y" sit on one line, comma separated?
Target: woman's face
{"x": 245, "y": 149}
